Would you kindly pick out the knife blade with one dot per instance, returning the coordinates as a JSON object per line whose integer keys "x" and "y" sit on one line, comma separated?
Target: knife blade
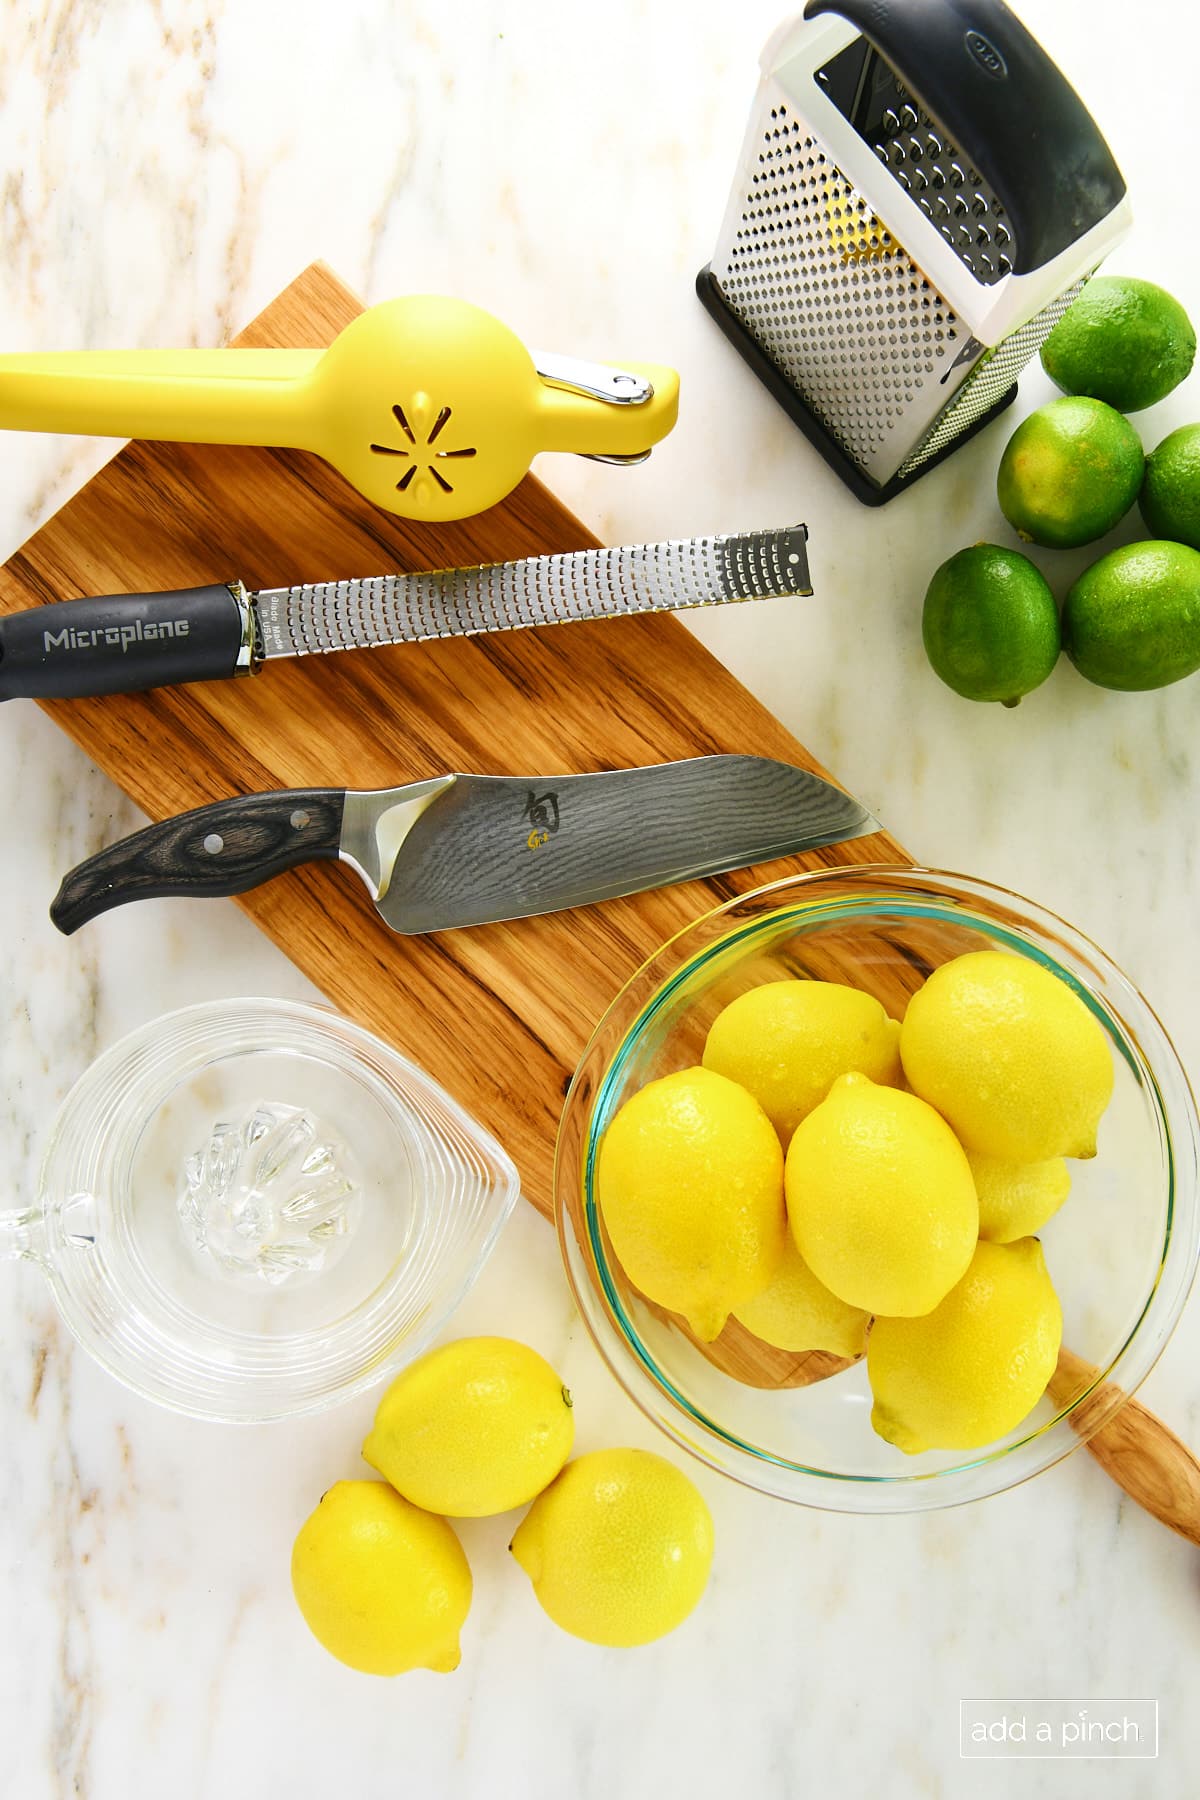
{"x": 126, "y": 643}
{"x": 460, "y": 850}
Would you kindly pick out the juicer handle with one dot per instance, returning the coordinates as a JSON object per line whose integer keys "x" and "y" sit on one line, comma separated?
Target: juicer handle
{"x": 226, "y": 848}
{"x": 1141, "y": 1454}
{"x": 175, "y": 396}
{"x": 1006, "y": 107}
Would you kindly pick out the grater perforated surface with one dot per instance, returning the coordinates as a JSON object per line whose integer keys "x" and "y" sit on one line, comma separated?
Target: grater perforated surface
{"x": 990, "y": 377}
{"x": 534, "y": 590}
{"x": 830, "y": 296}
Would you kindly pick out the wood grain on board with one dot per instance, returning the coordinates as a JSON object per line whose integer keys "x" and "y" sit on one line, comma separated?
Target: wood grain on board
{"x": 500, "y": 1014}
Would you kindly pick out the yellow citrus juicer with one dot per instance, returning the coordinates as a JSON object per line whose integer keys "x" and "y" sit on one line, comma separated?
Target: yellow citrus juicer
{"x": 429, "y": 406}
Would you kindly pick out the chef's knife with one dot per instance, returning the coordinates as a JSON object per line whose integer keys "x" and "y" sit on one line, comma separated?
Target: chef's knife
{"x": 124, "y": 643}
{"x": 470, "y": 849}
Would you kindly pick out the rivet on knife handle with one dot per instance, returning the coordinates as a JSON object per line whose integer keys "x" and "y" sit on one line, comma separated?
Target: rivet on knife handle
{"x": 226, "y": 848}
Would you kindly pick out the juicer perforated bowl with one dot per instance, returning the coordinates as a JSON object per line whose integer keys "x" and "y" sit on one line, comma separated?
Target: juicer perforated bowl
{"x": 253, "y": 1208}
{"x": 1122, "y": 1251}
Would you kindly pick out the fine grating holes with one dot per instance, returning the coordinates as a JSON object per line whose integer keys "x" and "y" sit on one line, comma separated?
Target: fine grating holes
{"x": 992, "y": 375}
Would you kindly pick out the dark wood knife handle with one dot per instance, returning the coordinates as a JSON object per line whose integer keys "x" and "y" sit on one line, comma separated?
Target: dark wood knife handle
{"x": 226, "y": 848}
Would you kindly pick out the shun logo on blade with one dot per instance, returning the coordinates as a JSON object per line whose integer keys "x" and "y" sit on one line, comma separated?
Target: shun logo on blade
{"x": 116, "y": 637}
{"x": 542, "y": 814}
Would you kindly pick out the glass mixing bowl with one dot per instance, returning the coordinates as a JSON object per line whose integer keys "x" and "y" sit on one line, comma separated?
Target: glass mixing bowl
{"x": 251, "y": 1209}
{"x": 1121, "y": 1252}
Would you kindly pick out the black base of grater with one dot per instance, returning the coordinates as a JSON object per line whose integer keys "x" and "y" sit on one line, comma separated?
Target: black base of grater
{"x": 781, "y": 389}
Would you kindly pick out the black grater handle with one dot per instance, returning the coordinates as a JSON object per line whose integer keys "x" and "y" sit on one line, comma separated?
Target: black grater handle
{"x": 980, "y": 74}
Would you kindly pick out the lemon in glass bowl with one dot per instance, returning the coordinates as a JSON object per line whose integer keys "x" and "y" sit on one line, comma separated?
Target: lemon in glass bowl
{"x": 1122, "y": 1250}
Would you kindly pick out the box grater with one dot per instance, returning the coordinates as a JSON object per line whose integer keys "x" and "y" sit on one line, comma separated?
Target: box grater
{"x": 921, "y": 195}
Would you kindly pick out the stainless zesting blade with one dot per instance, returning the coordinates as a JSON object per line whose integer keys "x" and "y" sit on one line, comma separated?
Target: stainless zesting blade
{"x": 536, "y": 590}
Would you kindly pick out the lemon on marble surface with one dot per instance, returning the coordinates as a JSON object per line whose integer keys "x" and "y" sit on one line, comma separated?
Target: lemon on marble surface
{"x": 880, "y": 1198}
{"x": 618, "y": 1548}
{"x": 1016, "y": 1199}
{"x": 476, "y": 1427}
{"x": 1010, "y": 1056}
{"x": 690, "y": 1186}
{"x": 798, "y": 1312}
{"x": 788, "y": 1041}
{"x": 382, "y": 1586}
{"x": 967, "y": 1373}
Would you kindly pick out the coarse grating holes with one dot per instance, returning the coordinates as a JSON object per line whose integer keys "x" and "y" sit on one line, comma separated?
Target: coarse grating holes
{"x": 949, "y": 190}
{"x": 990, "y": 377}
{"x": 431, "y": 458}
{"x": 921, "y": 158}
{"x": 828, "y": 294}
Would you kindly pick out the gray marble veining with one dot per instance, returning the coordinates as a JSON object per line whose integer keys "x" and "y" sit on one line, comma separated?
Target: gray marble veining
{"x": 166, "y": 169}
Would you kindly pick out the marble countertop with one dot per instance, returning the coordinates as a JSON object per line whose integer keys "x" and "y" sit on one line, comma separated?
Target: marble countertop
{"x": 166, "y": 169}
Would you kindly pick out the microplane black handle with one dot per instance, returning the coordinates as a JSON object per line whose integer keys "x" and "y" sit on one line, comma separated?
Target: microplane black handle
{"x": 120, "y": 643}
{"x": 226, "y": 848}
{"x": 1007, "y": 108}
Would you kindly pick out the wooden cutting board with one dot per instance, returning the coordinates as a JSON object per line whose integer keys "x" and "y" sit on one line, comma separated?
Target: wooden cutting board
{"x": 498, "y": 1015}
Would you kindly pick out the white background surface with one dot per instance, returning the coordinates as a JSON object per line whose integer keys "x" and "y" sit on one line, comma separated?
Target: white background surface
{"x": 166, "y": 169}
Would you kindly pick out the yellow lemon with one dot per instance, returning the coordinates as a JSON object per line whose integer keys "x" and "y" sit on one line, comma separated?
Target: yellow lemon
{"x": 880, "y": 1198}
{"x": 1010, "y": 1056}
{"x": 477, "y": 1427}
{"x": 788, "y": 1041}
{"x": 690, "y": 1186}
{"x": 1016, "y": 1199}
{"x": 798, "y": 1313}
{"x": 618, "y": 1548}
{"x": 967, "y": 1373}
{"x": 382, "y": 1586}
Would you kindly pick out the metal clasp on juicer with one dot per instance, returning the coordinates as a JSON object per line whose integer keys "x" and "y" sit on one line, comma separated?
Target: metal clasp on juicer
{"x": 616, "y": 387}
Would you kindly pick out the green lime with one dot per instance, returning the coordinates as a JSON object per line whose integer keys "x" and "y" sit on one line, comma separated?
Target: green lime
{"x": 990, "y": 625}
{"x": 1170, "y": 497}
{"x": 1132, "y": 620}
{"x": 1069, "y": 472}
{"x": 1123, "y": 341}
